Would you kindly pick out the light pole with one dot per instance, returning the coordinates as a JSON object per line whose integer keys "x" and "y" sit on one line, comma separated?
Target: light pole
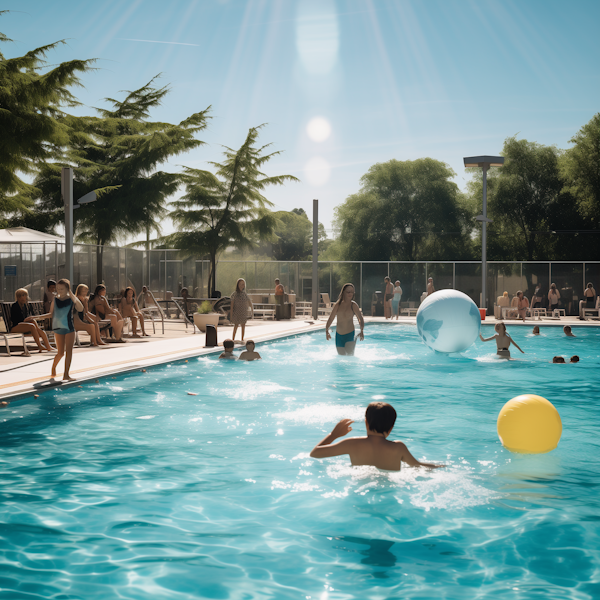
{"x": 485, "y": 162}
{"x": 66, "y": 189}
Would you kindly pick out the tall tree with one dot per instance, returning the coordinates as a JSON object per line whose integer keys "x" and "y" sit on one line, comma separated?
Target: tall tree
{"x": 405, "y": 210}
{"x": 523, "y": 195}
{"x": 33, "y": 131}
{"x": 226, "y": 208}
{"x": 580, "y": 170}
{"x": 119, "y": 153}
{"x": 294, "y": 235}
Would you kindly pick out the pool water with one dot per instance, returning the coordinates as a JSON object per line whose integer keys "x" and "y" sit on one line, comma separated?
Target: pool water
{"x": 131, "y": 488}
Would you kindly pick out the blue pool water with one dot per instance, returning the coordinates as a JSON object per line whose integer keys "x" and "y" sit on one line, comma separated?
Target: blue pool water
{"x": 130, "y": 488}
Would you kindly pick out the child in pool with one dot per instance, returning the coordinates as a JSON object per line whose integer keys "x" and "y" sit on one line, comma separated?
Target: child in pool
{"x": 503, "y": 341}
{"x": 228, "y": 353}
{"x": 249, "y": 353}
{"x": 374, "y": 449}
{"x": 567, "y": 331}
{"x": 536, "y": 330}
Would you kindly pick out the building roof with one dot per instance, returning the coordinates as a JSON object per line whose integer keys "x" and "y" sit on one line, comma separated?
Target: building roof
{"x": 23, "y": 234}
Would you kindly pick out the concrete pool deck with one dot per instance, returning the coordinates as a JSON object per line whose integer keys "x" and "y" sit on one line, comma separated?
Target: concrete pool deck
{"x": 22, "y": 376}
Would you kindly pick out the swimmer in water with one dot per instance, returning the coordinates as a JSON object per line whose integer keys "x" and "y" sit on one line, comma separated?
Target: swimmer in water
{"x": 558, "y": 360}
{"x": 345, "y": 309}
{"x": 567, "y": 331}
{"x": 228, "y": 351}
{"x": 374, "y": 449}
{"x": 503, "y": 341}
{"x": 536, "y": 330}
{"x": 249, "y": 353}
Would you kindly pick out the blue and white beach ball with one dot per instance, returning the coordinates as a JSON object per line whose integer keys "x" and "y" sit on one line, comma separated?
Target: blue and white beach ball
{"x": 448, "y": 321}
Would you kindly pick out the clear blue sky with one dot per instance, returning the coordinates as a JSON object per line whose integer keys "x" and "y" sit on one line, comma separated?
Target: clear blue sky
{"x": 376, "y": 80}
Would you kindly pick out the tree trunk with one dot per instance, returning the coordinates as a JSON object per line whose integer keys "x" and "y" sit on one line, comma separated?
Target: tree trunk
{"x": 99, "y": 261}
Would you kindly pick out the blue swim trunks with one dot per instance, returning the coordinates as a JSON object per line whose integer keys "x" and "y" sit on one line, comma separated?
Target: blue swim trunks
{"x": 342, "y": 340}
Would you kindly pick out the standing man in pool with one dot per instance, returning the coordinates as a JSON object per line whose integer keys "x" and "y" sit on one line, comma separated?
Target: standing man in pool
{"x": 345, "y": 309}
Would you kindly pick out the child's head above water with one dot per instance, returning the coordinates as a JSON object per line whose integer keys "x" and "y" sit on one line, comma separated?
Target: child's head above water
{"x": 500, "y": 328}
{"x": 250, "y": 345}
{"x": 380, "y": 417}
{"x": 559, "y": 360}
{"x": 228, "y": 345}
{"x": 574, "y": 359}
{"x": 536, "y": 329}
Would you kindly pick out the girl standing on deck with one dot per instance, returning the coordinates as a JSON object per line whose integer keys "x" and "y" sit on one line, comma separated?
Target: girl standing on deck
{"x": 61, "y": 312}
{"x": 345, "y": 309}
{"x": 239, "y": 307}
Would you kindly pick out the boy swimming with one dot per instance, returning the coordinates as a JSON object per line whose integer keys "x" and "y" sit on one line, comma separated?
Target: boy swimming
{"x": 249, "y": 353}
{"x": 228, "y": 350}
{"x": 503, "y": 341}
{"x": 374, "y": 449}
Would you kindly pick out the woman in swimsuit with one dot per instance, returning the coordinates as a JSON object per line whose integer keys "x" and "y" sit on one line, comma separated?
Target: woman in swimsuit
{"x": 387, "y": 299}
{"x": 522, "y": 305}
{"x": 345, "y": 309}
{"x": 61, "y": 312}
{"x": 105, "y": 311}
{"x": 553, "y": 297}
{"x": 130, "y": 309}
{"x": 396, "y": 300}
{"x": 503, "y": 341}
{"x": 85, "y": 320}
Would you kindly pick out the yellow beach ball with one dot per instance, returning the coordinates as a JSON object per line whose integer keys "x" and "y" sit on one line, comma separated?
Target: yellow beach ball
{"x": 529, "y": 424}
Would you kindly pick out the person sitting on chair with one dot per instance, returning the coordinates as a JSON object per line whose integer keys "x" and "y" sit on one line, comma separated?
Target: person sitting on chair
{"x": 22, "y": 321}
{"x": 130, "y": 309}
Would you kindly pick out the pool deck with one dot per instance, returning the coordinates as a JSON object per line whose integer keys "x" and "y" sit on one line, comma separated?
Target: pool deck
{"x": 25, "y": 377}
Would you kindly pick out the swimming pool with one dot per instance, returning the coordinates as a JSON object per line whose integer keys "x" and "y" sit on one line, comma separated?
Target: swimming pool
{"x": 131, "y": 488}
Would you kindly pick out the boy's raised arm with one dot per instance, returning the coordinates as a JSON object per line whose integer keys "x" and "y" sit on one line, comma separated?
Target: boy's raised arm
{"x": 326, "y": 447}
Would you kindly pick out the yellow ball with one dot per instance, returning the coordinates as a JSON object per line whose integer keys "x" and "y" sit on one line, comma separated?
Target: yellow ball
{"x": 529, "y": 424}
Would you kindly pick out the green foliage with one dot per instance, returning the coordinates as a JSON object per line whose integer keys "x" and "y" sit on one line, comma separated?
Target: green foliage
{"x": 405, "y": 210}
{"x": 226, "y": 208}
{"x": 580, "y": 170}
{"x": 34, "y": 130}
{"x": 205, "y": 308}
{"x": 294, "y": 236}
{"x": 534, "y": 215}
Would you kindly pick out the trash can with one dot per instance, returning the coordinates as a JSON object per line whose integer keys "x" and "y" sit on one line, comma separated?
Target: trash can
{"x": 283, "y": 311}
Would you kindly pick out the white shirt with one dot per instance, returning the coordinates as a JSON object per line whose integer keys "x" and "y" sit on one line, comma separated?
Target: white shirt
{"x": 397, "y": 292}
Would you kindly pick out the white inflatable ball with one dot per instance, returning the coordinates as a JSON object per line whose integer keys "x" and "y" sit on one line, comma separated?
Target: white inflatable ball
{"x": 448, "y": 321}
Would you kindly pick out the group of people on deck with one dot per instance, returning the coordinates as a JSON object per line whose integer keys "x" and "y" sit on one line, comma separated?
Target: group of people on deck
{"x": 69, "y": 312}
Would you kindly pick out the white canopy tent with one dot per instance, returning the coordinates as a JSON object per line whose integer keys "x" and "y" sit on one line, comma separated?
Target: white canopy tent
{"x": 23, "y": 234}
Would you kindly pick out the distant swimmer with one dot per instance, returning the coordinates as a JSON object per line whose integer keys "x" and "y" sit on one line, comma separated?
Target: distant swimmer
{"x": 345, "y": 309}
{"x": 503, "y": 341}
{"x": 536, "y": 330}
{"x": 567, "y": 331}
{"x": 374, "y": 449}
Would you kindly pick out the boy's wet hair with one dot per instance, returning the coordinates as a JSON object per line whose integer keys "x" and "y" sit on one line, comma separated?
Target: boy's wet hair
{"x": 558, "y": 359}
{"x": 250, "y": 342}
{"x": 381, "y": 417}
{"x": 228, "y": 344}
{"x": 575, "y": 358}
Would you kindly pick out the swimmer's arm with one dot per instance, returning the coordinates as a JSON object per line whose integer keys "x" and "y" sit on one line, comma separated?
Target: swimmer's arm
{"x": 359, "y": 316}
{"x": 515, "y": 344}
{"x": 330, "y": 320}
{"x": 411, "y": 461}
{"x": 486, "y": 339}
{"x": 326, "y": 447}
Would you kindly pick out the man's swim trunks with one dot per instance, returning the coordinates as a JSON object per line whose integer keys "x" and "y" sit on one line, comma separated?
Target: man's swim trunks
{"x": 342, "y": 340}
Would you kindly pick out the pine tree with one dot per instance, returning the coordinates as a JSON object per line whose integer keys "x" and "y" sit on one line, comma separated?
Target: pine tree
{"x": 226, "y": 208}
{"x": 118, "y": 154}
{"x": 32, "y": 125}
